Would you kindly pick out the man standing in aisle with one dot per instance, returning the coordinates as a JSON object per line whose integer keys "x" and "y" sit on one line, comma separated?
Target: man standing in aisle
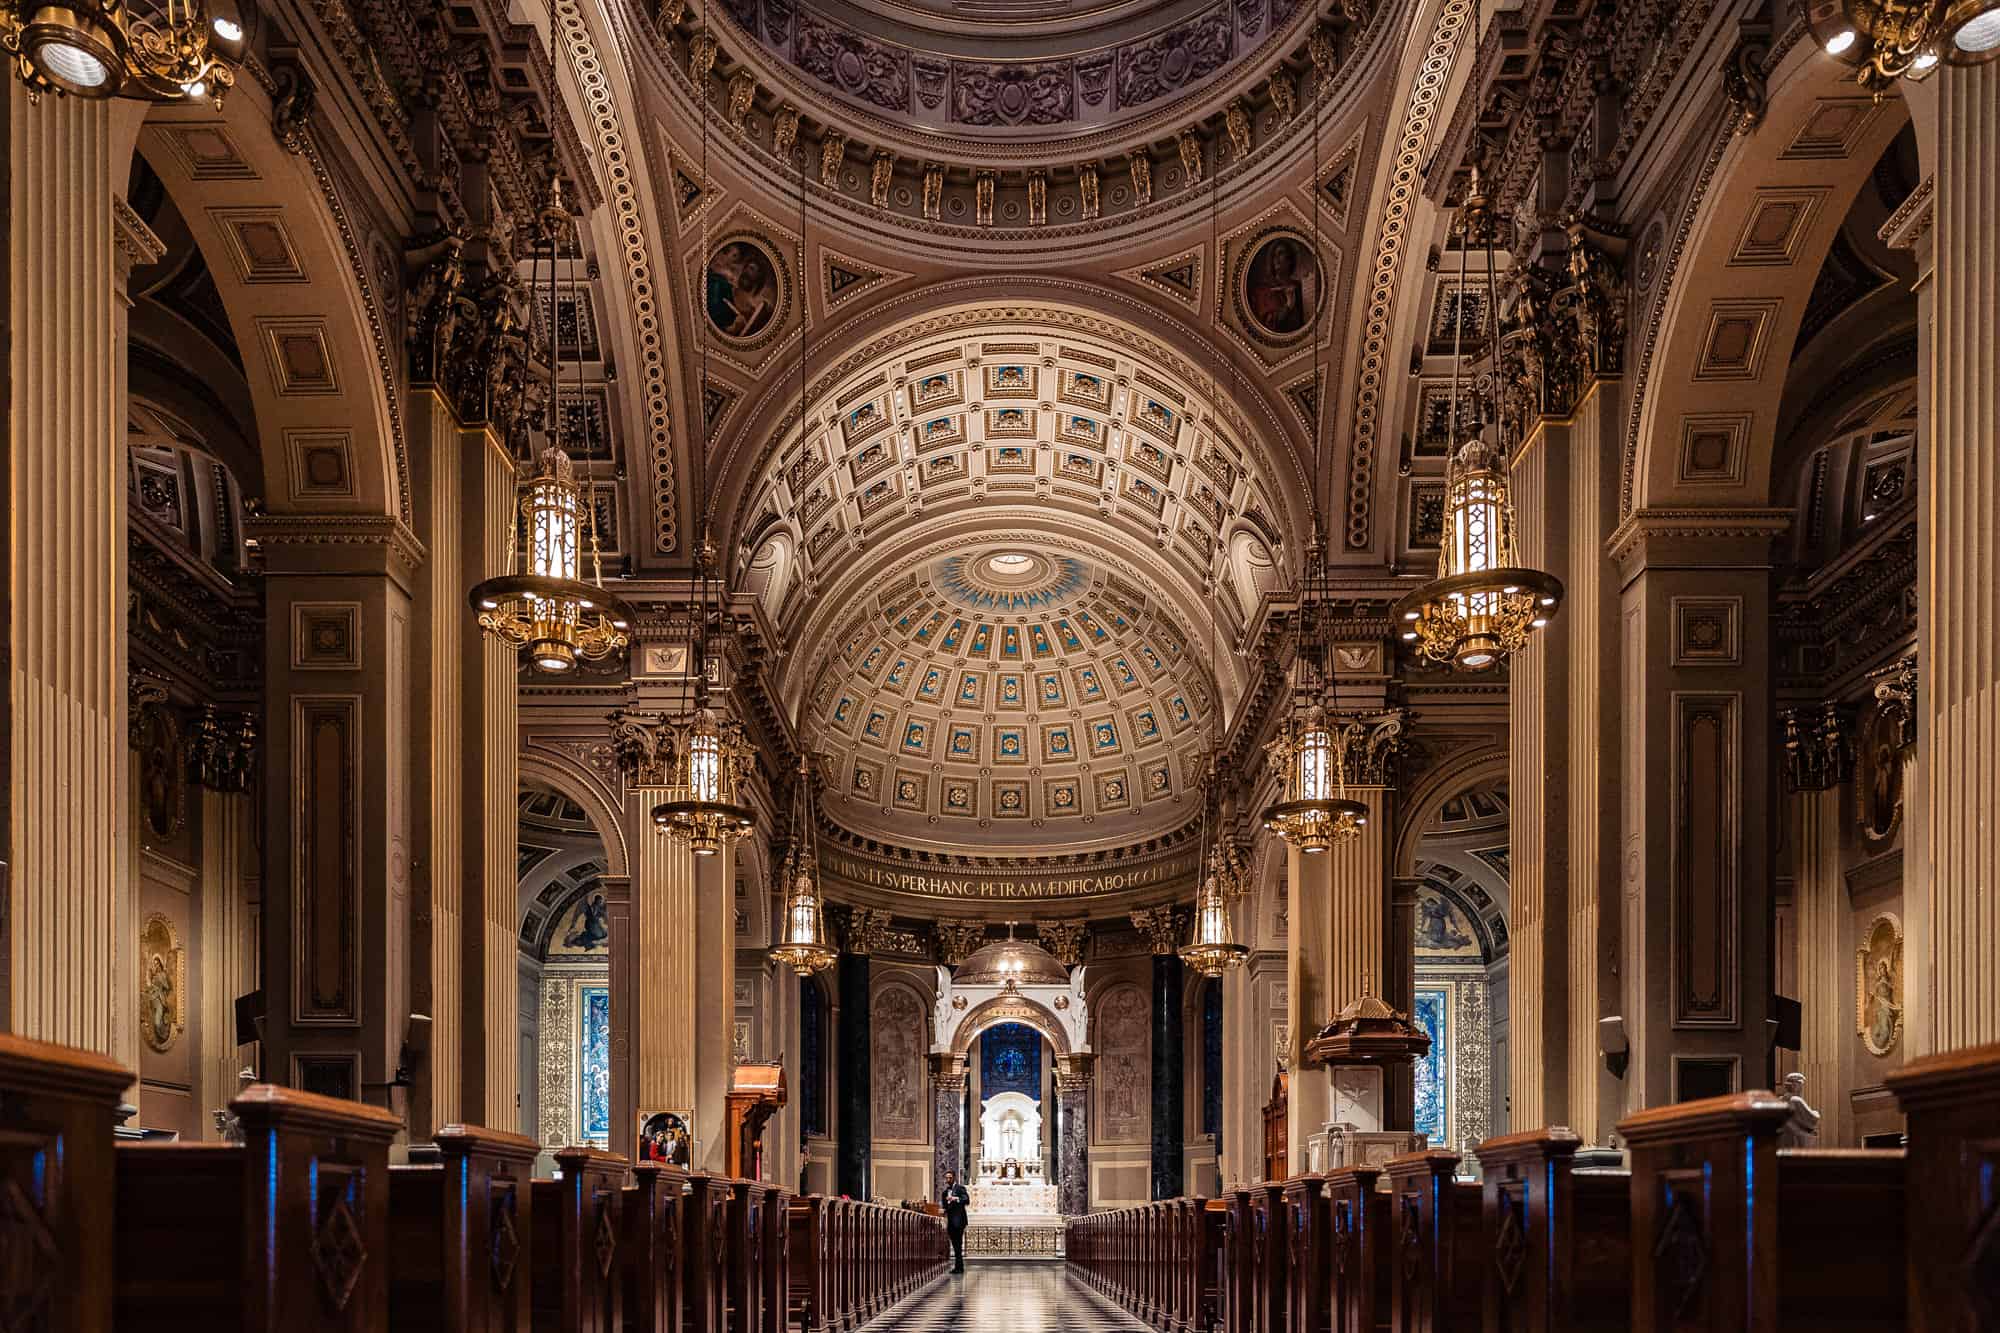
{"x": 956, "y": 1200}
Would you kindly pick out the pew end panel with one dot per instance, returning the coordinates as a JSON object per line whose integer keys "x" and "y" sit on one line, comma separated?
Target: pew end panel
{"x": 577, "y": 1230}
{"x": 1952, "y": 1102}
{"x": 459, "y": 1226}
{"x": 1358, "y": 1247}
{"x": 58, "y": 1107}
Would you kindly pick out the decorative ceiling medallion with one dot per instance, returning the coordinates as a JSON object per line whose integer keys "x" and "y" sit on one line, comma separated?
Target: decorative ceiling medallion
{"x": 1276, "y": 285}
{"x": 843, "y": 278}
{"x": 746, "y": 289}
{"x": 1179, "y": 276}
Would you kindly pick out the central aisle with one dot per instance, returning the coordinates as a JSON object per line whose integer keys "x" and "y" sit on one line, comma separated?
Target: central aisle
{"x": 1012, "y": 1297}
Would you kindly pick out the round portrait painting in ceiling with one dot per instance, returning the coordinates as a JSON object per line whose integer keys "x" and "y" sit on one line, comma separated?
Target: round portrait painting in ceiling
{"x": 742, "y": 289}
{"x": 1281, "y": 285}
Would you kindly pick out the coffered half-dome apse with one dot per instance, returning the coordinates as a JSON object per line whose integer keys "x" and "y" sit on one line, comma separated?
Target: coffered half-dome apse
{"x": 997, "y": 554}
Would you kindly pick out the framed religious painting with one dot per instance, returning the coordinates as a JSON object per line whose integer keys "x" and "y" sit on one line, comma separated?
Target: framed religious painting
{"x": 666, "y": 1137}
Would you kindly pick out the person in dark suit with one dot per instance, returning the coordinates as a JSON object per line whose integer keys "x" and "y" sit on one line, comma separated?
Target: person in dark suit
{"x": 956, "y": 1200}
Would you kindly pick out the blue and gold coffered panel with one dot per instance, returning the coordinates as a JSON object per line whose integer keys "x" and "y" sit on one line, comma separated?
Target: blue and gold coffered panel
{"x": 1013, "y": 688}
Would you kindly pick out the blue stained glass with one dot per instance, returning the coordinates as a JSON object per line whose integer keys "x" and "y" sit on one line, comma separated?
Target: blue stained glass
{"x": 1211, "y": 1059}
{"x": 1433, "y": 1091}
{"x": 1010, "y": 1060}
{"x": 594, "y": 1066}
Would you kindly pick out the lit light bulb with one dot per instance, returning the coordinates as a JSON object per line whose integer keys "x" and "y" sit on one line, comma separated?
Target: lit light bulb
{"x": 195, "y": 89}
{"x": 1925, "y": 60}
{"x": 229, "y": 30}
{"x": 1979, "y": 34}
{"x": 1840, "y": 42}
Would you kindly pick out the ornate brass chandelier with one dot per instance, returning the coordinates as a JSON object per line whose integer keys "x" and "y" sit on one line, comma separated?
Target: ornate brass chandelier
{"x": 1484, "y": 603}
{"x": 710, "y": 758}
{"x": 1212, "y": 949}
{"x": 1890, "y": 39}
{"x": 148, "y": 50}
{"x": 1313, "y": 811}
{"x": 546, "y": 608}
{"x": 803, "y": 947}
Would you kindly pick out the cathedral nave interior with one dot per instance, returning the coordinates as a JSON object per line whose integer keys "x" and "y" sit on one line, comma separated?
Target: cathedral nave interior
{"x": 1338, "y": 656}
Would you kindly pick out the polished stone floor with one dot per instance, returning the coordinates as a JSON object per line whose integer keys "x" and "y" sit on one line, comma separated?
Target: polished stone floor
{"x": 1010, "y": 1296}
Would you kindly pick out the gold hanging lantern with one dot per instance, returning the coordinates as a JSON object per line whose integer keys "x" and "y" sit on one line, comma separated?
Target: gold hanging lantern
{"x": 1316, "y": 811}
{"x": 1484, "y": 603}
{"x": 147, "y": 50}
{"x": 547, "y": 608}
{"x": 1212, "y": 949}
{"x": 803, "y": 946}
{"x": 703, "y": 808}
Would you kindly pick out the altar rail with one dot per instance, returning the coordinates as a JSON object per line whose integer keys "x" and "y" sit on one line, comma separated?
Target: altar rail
{"x": 1714, "y": 1228}
{"x": 305, "y": 1227}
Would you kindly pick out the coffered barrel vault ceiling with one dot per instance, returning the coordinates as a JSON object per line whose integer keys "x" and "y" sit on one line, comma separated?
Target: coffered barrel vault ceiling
{"x": 1005, "y": 689}
{"x": 992, "y": 555}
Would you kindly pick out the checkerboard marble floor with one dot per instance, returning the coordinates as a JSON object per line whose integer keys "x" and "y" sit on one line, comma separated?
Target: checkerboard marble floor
{"x": 1008, "y": 1297}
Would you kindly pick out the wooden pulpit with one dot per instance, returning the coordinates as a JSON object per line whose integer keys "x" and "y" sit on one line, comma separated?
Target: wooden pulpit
{"x": 755, "y": 1094}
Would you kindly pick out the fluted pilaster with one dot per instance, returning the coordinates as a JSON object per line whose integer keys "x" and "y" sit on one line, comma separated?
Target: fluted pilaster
{"x": 1825, "y": 966}
{"x": 72, "y": 958}
{"x": 228, "y": 941}
{"x": 1959, "y": 635}
{"x": 664, "y": 908}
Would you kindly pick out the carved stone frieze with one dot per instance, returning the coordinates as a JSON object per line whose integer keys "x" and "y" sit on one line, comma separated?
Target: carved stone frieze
{"x": 957, "y": 939}
{"x": 1162, "y": 927}
{"x": 1371, "y": 744}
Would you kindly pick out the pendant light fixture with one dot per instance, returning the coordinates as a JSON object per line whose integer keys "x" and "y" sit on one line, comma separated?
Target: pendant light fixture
{"x": 710, "y": 758}
{"x": 1314, "y": 811}
{"x": 803, "y": 947}
{"x": 545, "y": 608}
{"x": 1484, "y": 603}
{"x": 147, "y": 50}
{"x": 1886, "y": 40}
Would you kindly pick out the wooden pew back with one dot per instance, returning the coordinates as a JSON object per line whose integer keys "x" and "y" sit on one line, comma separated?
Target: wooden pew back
{"x": 1953, "y": 1104}
{"x": 578, "y": 1229}
{"x": 459, "y": 1223}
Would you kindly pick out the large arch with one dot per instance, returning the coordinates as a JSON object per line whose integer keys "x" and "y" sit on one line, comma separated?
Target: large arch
{"x": 311, "y": 297}
{"x": 552, "y": 768}
{"x": 1712, "y": 373}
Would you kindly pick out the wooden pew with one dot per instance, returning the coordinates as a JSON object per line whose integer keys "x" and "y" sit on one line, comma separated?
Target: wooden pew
{"x": 777, "y": 1262}
{"x": 286, "y": 1232}
{"x": 1269, "y": 1277}
{"x": 1558, "y": 1241}
{"x": 1239, "y": 1257}
{"x": 1437, "y": 1273}
{"x": 459, "y": 1222}
{"x": 808, "y": 1248}
{"x": 652, "y": 1248}
{"x": 1308, "y": 1295}
{"x": 1358, "y": 1247}
{"x": 1729, "y": 1232}
{"x": 57, "y": 1110}
{"x": 576, "y": 1235}
{"x": 1212, "y": 1270}
{"x": 1953, "y": 1105}
{"x": 704, "y": 1254}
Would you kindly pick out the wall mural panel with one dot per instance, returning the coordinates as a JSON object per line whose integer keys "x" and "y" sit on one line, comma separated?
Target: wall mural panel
{"x": 1125, "y": 1067}
{"x": 1433, "y": 1015}
{"x": 574, "y": 1102}
{"x": 898, "y": 1024}
{"x": 1010, "y": 1060}
{"x": 1454, "y": 1082}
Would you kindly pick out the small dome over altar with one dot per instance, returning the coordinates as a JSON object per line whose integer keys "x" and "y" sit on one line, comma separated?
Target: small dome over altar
{"x": 1020, "y": 961}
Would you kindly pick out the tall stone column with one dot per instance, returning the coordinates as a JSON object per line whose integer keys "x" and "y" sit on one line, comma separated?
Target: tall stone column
{"x": 466, "y": 778}
{"x": 1957, "y": 838}
{"x": 1339, "y": 938}
{"x": 853, "y": 1087}
{"x": 1250, "y": 1051}
{"x": 1696, "y": 796}
{"x": 948, "y": 1086}
{"x": 1562, "y": 719}
{"x": 337, "y": 824}
{"x": 1813, "y": 775}
{"x": 1073, "y": 1073}
{"x": 72, "y": 960}
{"x": 713, "y": 938}
{"x": 1169, "y": 1108}
{"x": 659, "y": 1021}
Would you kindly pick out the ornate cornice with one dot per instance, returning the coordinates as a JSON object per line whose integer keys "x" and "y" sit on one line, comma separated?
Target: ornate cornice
{"x": 1695, "y": 539}
{"x": 1912, "y": 220}
{"x": 346, "y": 543}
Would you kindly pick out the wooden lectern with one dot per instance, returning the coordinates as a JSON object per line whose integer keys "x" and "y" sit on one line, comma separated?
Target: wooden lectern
{"x": 755, "y": 1094}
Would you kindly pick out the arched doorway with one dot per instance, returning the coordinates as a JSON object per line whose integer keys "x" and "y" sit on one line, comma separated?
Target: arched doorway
{"x": 565, "y": 972}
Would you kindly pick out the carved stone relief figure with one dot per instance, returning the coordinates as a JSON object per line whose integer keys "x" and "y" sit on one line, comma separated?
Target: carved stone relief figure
{"x": 1086, "y": 188}
{"x": 1142, "y": 179}
{"x": 897, "y": 1079}
{"x": 1124, "y": 1062}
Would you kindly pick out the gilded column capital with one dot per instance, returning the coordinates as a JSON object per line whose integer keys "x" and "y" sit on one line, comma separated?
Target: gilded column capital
{"x": 1064, "y": 940}
{"x": 1370, "y": 744}
{"x": 1074, "y": 1071}
{"x": 1896, "y": 693}
{"x": 957, "y": 939}
{"x": 1817, "y": 754}
{"x": 868, "y": 930}
{"x": 1161, "y": 926}
{"x": 950, "y": 1072}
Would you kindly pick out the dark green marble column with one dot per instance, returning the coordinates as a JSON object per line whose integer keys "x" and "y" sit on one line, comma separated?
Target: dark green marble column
{"x": 1169, "y": 1042}
{"x": 851, "y": 1078}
